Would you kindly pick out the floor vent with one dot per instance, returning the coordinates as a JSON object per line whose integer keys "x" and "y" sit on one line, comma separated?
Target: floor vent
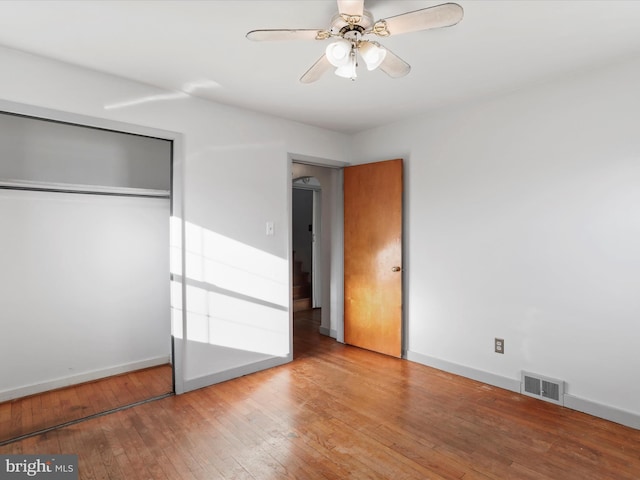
{"x": 543, "y": 388}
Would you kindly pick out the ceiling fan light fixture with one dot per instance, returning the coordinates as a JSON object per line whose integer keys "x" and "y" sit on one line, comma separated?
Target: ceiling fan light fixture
{"x": 348, "y": 70}
{"x": 348, "y": 30}
{"x": 339, "y": 53}
{"x": 372, "y": 54}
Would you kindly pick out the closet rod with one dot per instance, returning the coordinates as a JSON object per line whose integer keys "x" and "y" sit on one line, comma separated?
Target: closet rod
{"x": 86, "y": 190}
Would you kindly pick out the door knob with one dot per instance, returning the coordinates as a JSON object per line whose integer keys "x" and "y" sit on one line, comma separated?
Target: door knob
{"x": 396, "y": 269}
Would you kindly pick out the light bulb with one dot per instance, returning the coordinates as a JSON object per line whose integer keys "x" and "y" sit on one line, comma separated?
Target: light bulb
{"x": 338, "y": 53}
{"x": 349, "y": 69}
{"x": 372, "y": 54}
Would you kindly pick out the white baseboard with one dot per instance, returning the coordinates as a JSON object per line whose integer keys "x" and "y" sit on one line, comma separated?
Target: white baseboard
{"x": 599, "y": 410}
{"x": 612, "y": 414}
{"x": 26, "y": 390}
{"x": 468, "y": 372}
{"x": 333, "y": 333}
{"x": 207, "y": 380}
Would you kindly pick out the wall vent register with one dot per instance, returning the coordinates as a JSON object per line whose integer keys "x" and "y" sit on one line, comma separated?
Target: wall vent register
{"x": 543, "y": 388}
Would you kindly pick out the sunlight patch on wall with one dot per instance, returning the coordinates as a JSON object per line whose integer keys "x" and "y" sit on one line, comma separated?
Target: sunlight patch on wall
{"x": 175, "y": 269}
{"x": 175, "y": 246}
{"x": 176, "y": 309}
{"x": 132, "y": 102}
{"x": 187, "y": 90}
{"x": 225, "y": 321}
{"x": 237, "y": 296}
{"x": 235, "y": 266}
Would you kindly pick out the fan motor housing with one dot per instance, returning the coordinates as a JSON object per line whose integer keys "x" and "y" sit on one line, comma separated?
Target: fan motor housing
{"x": 339, "y": 26}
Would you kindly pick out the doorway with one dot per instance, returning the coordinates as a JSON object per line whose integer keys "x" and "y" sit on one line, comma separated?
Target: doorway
{"x": 325, "y": 182}
{"x": 306, "y": 231}
{"x": 332, "y": 180}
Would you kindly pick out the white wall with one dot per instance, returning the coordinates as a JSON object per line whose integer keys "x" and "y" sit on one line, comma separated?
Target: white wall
{"x": 232, "y": 176}
{"x": 84, "y": 288}
{"x": 523, "y": 222}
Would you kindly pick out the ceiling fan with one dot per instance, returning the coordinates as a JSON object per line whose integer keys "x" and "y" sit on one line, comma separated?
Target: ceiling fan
{"x": 350, "y": 28}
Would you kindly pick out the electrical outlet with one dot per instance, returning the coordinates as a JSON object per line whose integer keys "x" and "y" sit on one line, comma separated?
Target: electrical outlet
{"x": 499, "y": 345}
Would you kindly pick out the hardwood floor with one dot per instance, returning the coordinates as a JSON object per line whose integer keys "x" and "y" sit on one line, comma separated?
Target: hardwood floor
{"x": 38, "y": 412}
{"x": 341, "y": 412}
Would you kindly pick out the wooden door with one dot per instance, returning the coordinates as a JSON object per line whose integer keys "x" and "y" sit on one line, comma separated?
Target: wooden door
{"x": 373, "y": 256}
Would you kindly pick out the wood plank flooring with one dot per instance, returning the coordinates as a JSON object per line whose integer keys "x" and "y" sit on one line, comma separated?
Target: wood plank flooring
{"x": 340, "y": 412}
{"x": 39, "y": 412}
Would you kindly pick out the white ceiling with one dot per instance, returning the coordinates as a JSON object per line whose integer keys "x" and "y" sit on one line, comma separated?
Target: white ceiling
{"x": 200, "y": 47}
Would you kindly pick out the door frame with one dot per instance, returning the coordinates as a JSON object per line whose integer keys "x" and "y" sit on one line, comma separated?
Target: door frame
{"x": 332, "y": 291}
{"x": 336, "y": 274}
{"x": 176, "y": 203}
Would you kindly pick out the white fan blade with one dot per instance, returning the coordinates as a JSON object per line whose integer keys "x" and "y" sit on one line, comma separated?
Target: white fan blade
{"x": 443, "y": 15}
{"x": 394, "y": 66}
{"x": 283, "y": 34}
{"x": 351, "y": 8}
{"x": 317, "y": 70}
